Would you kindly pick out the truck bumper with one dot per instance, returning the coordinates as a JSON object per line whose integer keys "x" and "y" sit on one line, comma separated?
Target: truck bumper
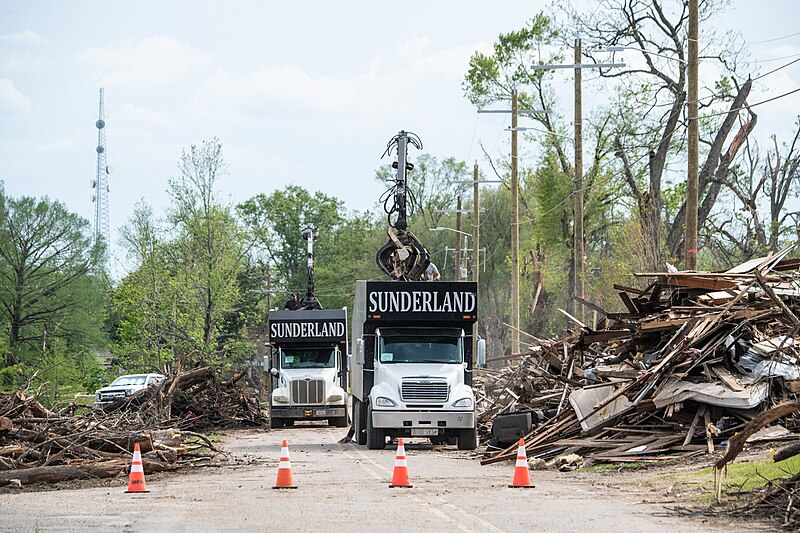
{"x": 424, "y": 419}
{"x": 310, "y": 412}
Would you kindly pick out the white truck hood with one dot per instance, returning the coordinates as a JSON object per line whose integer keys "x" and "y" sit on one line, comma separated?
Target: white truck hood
{"x": 389, "y": 379}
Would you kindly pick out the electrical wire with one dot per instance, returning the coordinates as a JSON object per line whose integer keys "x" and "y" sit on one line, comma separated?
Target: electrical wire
{"x": 775, "y": 39}
{"x": 752, "y": 105}
{"x": 777, "y": 69}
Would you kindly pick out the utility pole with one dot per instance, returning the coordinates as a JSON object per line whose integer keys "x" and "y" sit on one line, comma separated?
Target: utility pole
{"x": 692, "y": 184}
{"x": 578, "y": 237}
{"x": 514, "y": 214}
{"x": 514, "y": 228}
{"x": 457, "y": 276}
{"x": 476, "y": 224}
{"x": 578, "y": 234}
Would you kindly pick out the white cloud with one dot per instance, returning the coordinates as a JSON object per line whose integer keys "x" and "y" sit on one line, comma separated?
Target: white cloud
{"x": 387, "y": 87}
{"x": 275, "y": 89}
{"x": 132, "y": 116}
{"x": 11, "y": 100}
{"x": 147, "y": 62}
{"x": 23, "y": 37}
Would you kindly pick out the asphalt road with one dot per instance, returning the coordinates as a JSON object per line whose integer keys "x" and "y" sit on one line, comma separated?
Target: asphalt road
{"x": 341, "y": 487}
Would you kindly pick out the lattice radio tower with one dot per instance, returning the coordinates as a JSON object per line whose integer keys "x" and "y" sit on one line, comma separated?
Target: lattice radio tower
{"x": 100, "y": 184}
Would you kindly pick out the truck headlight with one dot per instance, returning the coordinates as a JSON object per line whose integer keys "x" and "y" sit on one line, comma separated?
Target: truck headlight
{"x": 334, "y": 398}
{"x": 280, "y": 399}
{"x": 380, "y": 401}
{"x": 463, "y": 402}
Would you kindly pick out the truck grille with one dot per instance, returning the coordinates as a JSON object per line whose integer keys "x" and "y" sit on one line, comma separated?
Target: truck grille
{"x": 424, "y": 389}
{"x": 308, "y": 391}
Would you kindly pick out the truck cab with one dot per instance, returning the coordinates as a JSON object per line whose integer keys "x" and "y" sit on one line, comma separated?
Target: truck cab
{"x": 308, "y": 366}
{"x": 412, "y": 355}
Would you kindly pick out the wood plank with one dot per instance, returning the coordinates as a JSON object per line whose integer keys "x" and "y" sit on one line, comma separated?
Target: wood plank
{"x": 629, "y": 303}
{"x": 661, "y": 325}
{"x": 607, "y": 335}
{"x": 724, "y": 374}
{"x": 709, "y": 437}
{"x": 699, "y": 282}
{"x": 693, "y": 426}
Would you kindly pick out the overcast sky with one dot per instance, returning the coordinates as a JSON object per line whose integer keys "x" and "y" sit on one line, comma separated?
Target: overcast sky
{"x": 304, "y": 93}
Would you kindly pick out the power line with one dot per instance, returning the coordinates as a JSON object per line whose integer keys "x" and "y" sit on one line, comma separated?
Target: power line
{"x": 775, "y": 39}
{"x": 757, "y": 61}
{"x": 777, "y": 69}
{"x": 752, "y": 105}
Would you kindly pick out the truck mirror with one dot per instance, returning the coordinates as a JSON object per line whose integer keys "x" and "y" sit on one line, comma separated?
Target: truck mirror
{"x": 265, "y": 363}
{"x": 481, "y": 353}
{"x": 273, "y": 371}
{"x": 360, "y": 351}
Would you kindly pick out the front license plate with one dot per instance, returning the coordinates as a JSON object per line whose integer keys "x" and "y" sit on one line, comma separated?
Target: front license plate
{"x": 322, "y": 412}
{"x": 424, "y": 432}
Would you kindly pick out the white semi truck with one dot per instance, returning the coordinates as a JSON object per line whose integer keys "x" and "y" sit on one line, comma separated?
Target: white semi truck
{"x": 411, "y": 373}
{"x": 308, "y": 366}
{"x": 308, "y": 362}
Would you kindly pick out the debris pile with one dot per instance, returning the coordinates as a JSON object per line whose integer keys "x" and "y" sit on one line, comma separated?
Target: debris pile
{"x": 696, "y": 357}
{"x": 38, "y": 444}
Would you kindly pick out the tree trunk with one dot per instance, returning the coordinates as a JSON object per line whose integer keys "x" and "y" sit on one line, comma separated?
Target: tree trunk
{"x": 715, "y": 165}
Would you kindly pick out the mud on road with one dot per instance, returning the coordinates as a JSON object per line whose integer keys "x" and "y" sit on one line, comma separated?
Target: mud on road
{"x": 345, "y": 487}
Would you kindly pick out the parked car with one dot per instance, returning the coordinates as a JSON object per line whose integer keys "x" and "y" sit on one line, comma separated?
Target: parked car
{"x": 125, "y": 386}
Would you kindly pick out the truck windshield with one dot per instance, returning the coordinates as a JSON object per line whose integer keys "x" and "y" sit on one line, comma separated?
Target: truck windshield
{"x": 308, "y": 358}
{"x": 420, "y": 349}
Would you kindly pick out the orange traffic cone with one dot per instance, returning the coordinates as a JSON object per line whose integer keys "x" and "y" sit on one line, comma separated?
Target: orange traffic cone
{"x": 136, "y": 478}
{"x": 284, "y": 480}
{"x": 522, "y": 477}
{"x": 400, "y": 475}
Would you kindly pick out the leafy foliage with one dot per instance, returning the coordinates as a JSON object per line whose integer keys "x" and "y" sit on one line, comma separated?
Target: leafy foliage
{"x": 51, "y": 296}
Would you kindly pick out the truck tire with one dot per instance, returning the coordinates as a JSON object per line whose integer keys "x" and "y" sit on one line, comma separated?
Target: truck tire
{"x": 338, "y": 421}
{"x": 467, "y": 439}
{"x": 376, "y": 438}
{"x": 359, "y": 418}
{"x": 276, "y": 423}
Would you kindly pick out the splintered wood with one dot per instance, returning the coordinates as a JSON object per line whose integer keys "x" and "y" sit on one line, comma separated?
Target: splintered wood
{"x": 38, "y": 444}
{"x": 695, "y": 358}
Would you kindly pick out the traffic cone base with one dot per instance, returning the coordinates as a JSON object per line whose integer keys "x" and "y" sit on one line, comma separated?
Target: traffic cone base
{"x": 400, "y": 474}
{"x": 522, "y": 476}
{"x": 136, "y": 478}
{"x": 284, "y": 480}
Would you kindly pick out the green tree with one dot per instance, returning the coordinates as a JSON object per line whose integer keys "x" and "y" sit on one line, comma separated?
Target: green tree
{"x": 276, "y": 222}
{"x": 50, "y": 283}
{"x": 183, "y": 294}
{"x": 208, "y": 245}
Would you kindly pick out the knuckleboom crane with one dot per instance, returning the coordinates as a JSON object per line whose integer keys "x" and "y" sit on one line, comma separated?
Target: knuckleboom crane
{"x": 404, "y": 257}
{"x": 310, "y": 301}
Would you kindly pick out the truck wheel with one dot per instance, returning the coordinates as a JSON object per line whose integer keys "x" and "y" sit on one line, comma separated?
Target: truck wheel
{"x": 376, "y": 438}
{"x": 467, "y": 439}
{"x": 339, "y": 421}
{"x": 359, "y": 417}
{"x": 276, "y": 423}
